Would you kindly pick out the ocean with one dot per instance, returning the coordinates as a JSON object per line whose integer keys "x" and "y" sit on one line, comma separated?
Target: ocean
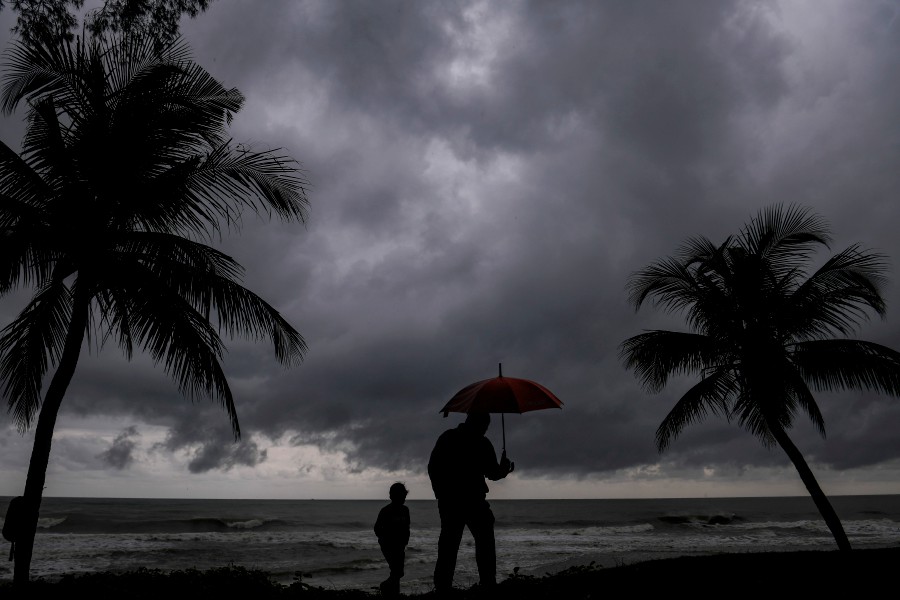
{"x": 330, "y": 543}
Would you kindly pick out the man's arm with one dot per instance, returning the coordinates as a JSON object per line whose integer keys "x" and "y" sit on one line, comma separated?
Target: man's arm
{"x": 437, "y": 466}
{"x": 492, "y": 469}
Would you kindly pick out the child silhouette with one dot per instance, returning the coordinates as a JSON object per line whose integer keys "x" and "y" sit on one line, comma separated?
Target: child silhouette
{"x": 392, "y": 529}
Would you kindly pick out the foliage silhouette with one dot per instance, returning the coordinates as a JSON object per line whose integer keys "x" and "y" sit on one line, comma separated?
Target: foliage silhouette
{"x": 125, "y": 170}
{"x": 47, "y": 21}
{"x": 763, "y": 332}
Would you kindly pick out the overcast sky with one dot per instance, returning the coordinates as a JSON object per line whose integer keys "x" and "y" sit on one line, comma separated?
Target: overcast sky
{"x": 485, "y": 176}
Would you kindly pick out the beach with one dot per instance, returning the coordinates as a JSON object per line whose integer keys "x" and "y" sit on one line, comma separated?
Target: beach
{"x": 859, "y": 572}
{"x": 332, "y": 545}
{"x": 282, "y": 548}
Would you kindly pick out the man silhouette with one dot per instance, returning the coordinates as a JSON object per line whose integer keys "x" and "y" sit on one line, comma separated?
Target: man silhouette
{"x": 459, "y": 463}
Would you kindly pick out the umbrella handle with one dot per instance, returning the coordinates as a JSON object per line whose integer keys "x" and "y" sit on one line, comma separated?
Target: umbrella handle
{"x": 503, "y": 456}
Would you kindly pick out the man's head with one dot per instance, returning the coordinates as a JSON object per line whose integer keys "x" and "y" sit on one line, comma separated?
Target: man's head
{"x": 478, "y": 422}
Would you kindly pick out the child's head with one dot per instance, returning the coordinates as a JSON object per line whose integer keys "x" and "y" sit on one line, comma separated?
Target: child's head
{"x": 398, "y": 493}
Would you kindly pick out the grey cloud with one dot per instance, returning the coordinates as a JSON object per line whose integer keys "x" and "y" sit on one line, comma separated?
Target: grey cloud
{"x": 119, "y": 455}
{"x": 658, "y": 94}
{"x": 863, "y": 433}
{"x": 211, "y": 446}
{"x": 210, "y": 456}
{"x": 627, "y": 128}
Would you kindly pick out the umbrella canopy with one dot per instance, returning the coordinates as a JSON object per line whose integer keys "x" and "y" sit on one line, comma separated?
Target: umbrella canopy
{"x": 502, "y": 395}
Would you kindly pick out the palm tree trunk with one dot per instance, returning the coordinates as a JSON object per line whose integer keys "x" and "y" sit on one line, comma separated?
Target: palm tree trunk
{"x": 812, "y": 486}
{"x": 43, "y": 435}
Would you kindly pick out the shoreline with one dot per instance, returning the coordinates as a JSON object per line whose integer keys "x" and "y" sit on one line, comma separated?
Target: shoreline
{"x": 710, "y": 575}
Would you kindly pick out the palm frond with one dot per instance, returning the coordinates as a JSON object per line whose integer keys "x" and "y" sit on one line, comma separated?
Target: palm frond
{"x": 207, "y": 280}
{"x": 46, "y": 147}
{"x": 22, "y": 190}
{"x": 667, "y": 281}
{"x": 710, "y": 395}
{"x": 803, "y": 398}
{"x": 748, "y": 411}
{"x": 783, "y": 237}
{"x": 28, "y": 345}
{"x": 178, "y": 101}
{"x": 839, "y": 294}
{"x": 179, "y": 338}
{"x": 43, "y": 70}
{"x": 264, "y": 181}
{"x": 697, "y": 249}
{"x": 25, "y": 258}
{"x": 833, "y": 365}
{"x": 656, "y": 355}
{"x": 129, "y": 59}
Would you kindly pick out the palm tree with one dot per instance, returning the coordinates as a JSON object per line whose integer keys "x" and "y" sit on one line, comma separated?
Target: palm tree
{"x": 764, "y": 332}
{"x": 125, "y": 171}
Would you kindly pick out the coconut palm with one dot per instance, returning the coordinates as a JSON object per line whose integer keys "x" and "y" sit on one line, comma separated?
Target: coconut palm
{"x": 765, "y": 331}
{"x": 124, "y": 176}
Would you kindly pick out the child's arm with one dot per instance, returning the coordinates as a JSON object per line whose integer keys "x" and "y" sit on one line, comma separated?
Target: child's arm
{"x": 406, "y": 523}
{"x": 379, "y": 524}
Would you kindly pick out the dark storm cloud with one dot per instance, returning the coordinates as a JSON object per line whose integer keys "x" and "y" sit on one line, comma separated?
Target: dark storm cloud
{"x": 485, "y": 176}
{"x": 534, "y": 276}
{"x": 119, "y": 455}
{"x": 212, "y": 456}
{"x": 211, "y": 445}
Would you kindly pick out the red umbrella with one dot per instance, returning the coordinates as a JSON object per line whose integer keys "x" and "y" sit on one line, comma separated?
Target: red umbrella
{"x": 502, "y": 395}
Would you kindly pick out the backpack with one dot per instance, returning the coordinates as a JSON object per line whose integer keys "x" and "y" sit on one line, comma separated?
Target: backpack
{"x": 14, "y": 522}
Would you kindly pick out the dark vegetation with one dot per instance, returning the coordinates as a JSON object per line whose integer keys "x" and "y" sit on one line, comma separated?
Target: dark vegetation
{"x": 127, "y": 174}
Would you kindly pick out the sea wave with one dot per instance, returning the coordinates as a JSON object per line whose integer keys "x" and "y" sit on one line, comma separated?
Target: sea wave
{"x": 43, "y": 522}
{"x": 711, "y": 519}
{"x": 80, "y": 524}
{"x": 333, "y": 545}
{"x": 47, "y": 523}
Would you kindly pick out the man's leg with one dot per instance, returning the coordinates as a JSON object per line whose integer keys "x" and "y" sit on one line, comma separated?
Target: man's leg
{"x": 481, "y": 524}
{"x": 452, "y": 525}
